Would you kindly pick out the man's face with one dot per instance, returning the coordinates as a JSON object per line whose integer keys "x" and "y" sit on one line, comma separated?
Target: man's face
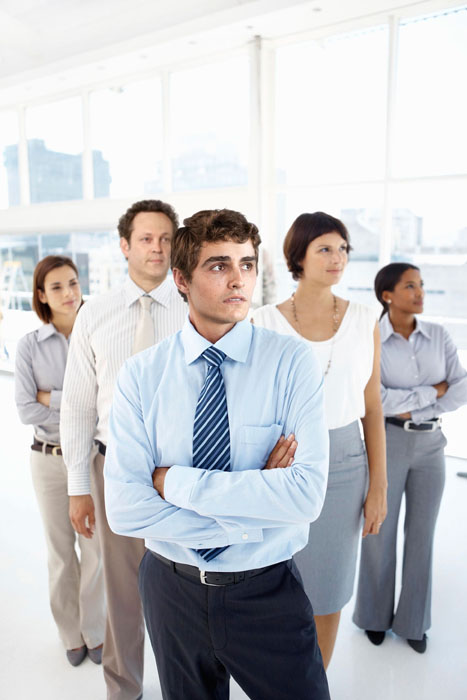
{"x": 148, "y": 252}
{"x": 221, "y": 287}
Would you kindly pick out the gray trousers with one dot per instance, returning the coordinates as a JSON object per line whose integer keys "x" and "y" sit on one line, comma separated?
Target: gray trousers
{"x": 123, "y": 654}
{"x": 416, "y": 468}
{"x": 76, "y": 585}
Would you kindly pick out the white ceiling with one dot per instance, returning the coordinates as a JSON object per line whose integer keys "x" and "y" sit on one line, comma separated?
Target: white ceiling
{"x": 45, "y": 37}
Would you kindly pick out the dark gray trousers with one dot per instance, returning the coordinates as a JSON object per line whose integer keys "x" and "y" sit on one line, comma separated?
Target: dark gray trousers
{"x": 261, "y": 631}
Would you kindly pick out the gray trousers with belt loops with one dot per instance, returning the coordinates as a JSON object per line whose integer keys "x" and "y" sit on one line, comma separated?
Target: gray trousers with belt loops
{"x": 416, "y": 468}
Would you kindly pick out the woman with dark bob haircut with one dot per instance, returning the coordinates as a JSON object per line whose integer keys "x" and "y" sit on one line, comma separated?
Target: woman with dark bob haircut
{"x": 76, "y": 589}
{"x": 421, "y": 378}
{"x": 345, "y": 337}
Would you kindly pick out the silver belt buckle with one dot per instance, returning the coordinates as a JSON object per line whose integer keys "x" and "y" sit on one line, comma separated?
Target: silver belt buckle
{"x": 434, "y": 425}
{"x": 202, "y": 578}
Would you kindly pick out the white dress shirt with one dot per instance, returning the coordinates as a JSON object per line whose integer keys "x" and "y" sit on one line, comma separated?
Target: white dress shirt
{"x": 102, "y": 340}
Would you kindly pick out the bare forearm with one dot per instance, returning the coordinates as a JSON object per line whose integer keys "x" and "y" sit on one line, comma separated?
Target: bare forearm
{"x": 375, "y": 441}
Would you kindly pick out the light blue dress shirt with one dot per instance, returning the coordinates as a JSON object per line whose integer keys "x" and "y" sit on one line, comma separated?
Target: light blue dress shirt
{"x": 274, "y": 386}
{"x": 410, "y": 369}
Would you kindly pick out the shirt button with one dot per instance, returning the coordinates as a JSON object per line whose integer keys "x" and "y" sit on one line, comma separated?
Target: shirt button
{"x": 416, "y": 376}
{"x": 244, "y": 536}
{"x": 413, "y": 357}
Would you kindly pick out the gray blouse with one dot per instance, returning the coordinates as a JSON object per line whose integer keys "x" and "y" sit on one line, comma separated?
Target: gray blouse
{"x": 40, "y": 366}
{"x": 410, "y": 369}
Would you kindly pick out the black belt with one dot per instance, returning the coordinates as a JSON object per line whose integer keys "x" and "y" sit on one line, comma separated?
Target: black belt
{"x": 54, "y": 450}
{"x": 101, "y": 447}
{"x": 426, "y": 426}
{"x": 211, "y": 578}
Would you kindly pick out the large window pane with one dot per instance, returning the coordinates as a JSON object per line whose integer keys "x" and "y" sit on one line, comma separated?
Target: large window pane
{"x": 360, "y": 208}
{"x": 126, "y": 138}
{"x": 431, "y": 107}
{"x": 55, "y": 146}
{"x": 97, "y": 255}
{"x": 9, "y": 174}
{"x": 331, "y": 109}
{"x": 209, "y": 118}
{"x": 429, "y": 228}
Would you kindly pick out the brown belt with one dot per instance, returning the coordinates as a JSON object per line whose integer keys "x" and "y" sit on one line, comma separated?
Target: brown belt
{"x": 54, "y": 450}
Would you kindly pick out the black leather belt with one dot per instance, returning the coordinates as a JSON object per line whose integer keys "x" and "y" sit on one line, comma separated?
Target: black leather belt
{"x": 54, "y": 450}
{"x": 426, "y": 426}
{"x": 211, "y": 578}
{"x": 101, "y": 447}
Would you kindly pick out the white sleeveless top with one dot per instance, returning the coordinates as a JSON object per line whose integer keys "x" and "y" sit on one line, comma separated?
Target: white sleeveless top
{"x": 352, "y": 359}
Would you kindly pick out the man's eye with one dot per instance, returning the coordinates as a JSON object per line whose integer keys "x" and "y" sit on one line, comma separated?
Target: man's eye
{"x": 217, "y": 267}
{"x": 248, "y": 266}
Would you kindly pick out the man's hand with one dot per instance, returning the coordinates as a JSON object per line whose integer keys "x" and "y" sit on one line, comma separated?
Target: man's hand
{"x": 283, "y": 453}
{"x": 158, "y": 479}
{"x": 441, "y": 389}
{"x": 82, "y": 515}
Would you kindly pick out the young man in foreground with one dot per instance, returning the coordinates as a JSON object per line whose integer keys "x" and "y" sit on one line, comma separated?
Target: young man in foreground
{"x": 193, "y": 422}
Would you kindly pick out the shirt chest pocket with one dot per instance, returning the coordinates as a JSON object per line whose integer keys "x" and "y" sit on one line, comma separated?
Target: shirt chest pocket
{"x": 255, "y": 444}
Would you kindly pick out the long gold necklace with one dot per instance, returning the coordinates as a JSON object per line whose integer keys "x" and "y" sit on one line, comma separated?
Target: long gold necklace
{"x": 335, "y": 326}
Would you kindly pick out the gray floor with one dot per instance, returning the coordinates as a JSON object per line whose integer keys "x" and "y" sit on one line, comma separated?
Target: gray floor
{"x": 33, "y": 664}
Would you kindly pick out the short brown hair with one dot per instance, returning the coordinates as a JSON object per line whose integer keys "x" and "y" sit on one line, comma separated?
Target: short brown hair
{"x": 42, "y": 269}
{"x": 209, "y": 226}
{"x": 125, "y": 223}
{"x": 305, "y": 229}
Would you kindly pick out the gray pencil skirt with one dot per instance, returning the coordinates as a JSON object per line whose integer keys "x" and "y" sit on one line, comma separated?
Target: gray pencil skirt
{"x": 328, "y": 562}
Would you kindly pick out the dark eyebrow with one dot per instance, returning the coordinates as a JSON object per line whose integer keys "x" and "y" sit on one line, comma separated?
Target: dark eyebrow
{"x": 227, "y": 258}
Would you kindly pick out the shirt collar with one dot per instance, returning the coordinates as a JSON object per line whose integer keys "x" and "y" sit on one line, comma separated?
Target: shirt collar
{"x": 46, "y": 331}
{"x": 235, "y": 344}
{"x": 161, "y": 294}
{"x": 386, "y": 329}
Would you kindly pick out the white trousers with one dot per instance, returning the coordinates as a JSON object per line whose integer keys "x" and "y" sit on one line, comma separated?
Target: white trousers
{"x": 76, "y": 585}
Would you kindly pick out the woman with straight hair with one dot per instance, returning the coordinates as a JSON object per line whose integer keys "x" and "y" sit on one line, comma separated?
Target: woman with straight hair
{"x": 345, "y": 337}
{"x": 421, "y": 378}
{"x": 76, "y": 589}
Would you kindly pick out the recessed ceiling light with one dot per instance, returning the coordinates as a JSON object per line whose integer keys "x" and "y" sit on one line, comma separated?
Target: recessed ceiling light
{"x": 317, "y": 9}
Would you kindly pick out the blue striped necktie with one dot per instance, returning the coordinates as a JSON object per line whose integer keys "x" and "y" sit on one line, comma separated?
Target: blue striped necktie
{"x": 211, "y": 436}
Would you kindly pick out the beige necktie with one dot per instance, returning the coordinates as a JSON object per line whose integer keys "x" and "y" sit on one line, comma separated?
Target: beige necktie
{"x": 144, "y": 335}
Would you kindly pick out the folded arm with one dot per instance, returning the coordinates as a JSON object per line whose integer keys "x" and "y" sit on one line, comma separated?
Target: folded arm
{"x": 31, "y": 410}
{"x": 133, "y": 505}
{"x": 268, "y": 498}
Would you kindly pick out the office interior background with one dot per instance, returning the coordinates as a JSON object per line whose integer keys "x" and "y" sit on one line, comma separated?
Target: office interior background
{"x": 270, "y": 107}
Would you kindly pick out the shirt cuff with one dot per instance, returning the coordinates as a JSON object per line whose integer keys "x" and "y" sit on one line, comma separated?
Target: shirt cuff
{"x": 55, "y": 399}
{"x": 426, "y": 396}
{"x": 79, "y": 483}
{"x": 179, "y": 483}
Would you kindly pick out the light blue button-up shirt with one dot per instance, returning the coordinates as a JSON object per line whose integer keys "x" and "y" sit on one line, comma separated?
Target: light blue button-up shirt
{"x": 273, "y": 386}
{"x": 410, "y": 369}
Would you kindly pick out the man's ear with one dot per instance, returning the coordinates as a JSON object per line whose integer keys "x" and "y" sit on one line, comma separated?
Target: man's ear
{"x": 124, "y": 246}
{"x": 180, "y": 281}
